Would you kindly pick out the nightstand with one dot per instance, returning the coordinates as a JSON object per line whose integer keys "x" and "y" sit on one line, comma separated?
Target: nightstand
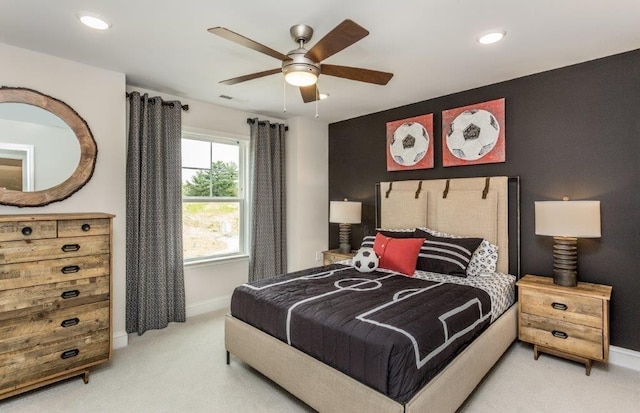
{"x": 331, "y": 256}
{"x": 569, "y": 322}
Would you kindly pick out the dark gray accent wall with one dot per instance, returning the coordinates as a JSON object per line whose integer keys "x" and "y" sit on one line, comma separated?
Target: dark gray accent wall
{"x": 573, "y": 132}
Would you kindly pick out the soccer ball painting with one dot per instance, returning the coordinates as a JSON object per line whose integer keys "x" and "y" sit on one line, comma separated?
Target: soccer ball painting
{"x": 410, "y": 143}
{"x": 365, "y": 260}
{"x": 474, "y": 134}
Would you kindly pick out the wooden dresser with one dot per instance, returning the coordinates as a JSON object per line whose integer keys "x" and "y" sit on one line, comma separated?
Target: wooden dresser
{"x": 569, "y": 322}
{"x": 55, "y": 306}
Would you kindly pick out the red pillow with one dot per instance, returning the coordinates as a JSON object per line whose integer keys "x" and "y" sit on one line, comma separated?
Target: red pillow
{"x": 398, "y": 254}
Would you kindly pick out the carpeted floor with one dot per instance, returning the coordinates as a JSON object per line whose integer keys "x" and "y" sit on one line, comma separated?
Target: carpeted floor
{"x": 182, "y": 369}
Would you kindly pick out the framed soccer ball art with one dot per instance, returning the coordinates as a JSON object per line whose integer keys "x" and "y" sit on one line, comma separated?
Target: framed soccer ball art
{"x": 474, "y": 134}
{"x": 410, "y": 143}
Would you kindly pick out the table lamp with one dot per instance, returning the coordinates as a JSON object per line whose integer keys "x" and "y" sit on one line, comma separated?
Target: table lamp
{"x": 566, "y": 221}
{"x": 345, "y": 213}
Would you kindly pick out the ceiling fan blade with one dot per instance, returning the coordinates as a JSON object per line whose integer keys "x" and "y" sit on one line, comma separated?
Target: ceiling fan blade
{"x": 309, "y": 93}
{"x": 356, "y": 73}
{"x": 252, "y": 76}
{"x": 343, "y": 35}
{"x": 244, "y": 41}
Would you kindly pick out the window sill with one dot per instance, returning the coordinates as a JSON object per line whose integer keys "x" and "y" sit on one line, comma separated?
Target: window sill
{"x": 216, "y": 261}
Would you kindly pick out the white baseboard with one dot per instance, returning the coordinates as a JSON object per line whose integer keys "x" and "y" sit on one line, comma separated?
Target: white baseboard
{"x": 624, "y": 357}
{"x": 120, "y": 339}
{"x": 207, "y": 306}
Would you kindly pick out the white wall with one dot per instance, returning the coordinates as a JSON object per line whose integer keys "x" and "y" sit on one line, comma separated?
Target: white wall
{"x": 307, "y": 192}
{"x": 98, "y": 97}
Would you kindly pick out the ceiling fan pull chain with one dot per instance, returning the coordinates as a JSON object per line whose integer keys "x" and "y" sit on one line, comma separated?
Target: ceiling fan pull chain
{"x": 317, "y": 99}
{"x": 284, "y": 95}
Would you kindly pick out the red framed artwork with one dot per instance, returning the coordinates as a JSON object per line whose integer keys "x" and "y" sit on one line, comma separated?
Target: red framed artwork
{"x": 474, "y": 134}
{"x": 410, "y": 143}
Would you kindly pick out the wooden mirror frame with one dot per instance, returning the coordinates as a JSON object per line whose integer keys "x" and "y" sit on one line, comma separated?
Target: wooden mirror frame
{"x": 88, "y": 149}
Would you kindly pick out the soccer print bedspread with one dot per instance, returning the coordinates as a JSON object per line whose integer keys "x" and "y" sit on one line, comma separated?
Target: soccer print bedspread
{"x": 388, "y": 331}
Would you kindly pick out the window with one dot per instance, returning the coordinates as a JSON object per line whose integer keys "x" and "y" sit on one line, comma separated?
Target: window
{"x": 213, "y": 196}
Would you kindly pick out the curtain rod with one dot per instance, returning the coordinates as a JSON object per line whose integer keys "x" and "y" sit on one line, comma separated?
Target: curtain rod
{"x": 184, "y": 107}
{"x": 261, "y": 122}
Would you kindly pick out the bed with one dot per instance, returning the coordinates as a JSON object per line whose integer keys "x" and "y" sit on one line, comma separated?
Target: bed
{"x": 475, "y": 207}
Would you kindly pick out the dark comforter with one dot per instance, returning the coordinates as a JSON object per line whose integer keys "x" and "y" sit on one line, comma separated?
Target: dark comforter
{"x": 390, "y": 332}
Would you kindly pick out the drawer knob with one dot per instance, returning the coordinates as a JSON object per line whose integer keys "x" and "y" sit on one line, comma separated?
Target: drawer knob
{"x": 70, "y": 247}
{"x": 69, "y": 353}
{"x": 27, "y": 231}
{"x": 70, "y": 322}
{"x": 559, "y": 306}
{"x": 70, "y": 294}
{"x": 85, "y": 227}
{"x": 560, "y": 334}
{"x": 70, "y": 269}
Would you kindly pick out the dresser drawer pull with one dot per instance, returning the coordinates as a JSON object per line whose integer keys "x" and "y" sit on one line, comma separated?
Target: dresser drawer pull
{"x": 70, "y": 294}
{"x": 70, "y": 322}
{"x": 85, "y": 227}
{"x": 69, "y": 353}
{"x": 70, "y": 269}
{"x": 27, "y": 231}
{"x": 560, "y": 334}
{"x": 70, "y": 247}
{"x": 559, "y": 306}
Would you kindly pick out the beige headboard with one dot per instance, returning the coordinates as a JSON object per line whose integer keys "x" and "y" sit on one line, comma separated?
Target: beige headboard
{"x": 474, "y": 207}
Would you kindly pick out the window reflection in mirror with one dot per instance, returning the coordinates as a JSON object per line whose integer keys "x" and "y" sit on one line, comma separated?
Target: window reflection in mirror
{"x": 38, "y": 150}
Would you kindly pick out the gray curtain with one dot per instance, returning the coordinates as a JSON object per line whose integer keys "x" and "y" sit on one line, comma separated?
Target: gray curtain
{"x": 155, "y": 273}
{"x": 268, "y": 200}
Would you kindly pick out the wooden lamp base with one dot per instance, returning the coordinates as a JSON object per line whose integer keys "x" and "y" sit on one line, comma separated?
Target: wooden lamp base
{"x": 345, "y": 238}
{"x": 565, "y": 261}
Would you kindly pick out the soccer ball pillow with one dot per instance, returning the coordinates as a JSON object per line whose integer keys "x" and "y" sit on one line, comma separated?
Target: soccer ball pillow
{"x": 365, "y": 260}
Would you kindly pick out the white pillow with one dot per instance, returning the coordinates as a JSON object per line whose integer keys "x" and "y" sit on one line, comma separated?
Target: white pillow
{"x": 484, "y": 259}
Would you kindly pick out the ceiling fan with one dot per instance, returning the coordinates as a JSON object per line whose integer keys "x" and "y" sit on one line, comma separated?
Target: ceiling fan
{"x": 301, "y": 67}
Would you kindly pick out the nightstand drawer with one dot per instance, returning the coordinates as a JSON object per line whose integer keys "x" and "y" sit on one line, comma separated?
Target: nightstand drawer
{"x": 572, "y": 338}
{"x": 576, "y": 309}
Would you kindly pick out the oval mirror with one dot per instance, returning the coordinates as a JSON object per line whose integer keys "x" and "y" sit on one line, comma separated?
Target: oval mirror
{"x": 47, "y": 151}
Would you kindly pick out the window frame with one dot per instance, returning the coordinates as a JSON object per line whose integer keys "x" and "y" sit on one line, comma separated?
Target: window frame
{"x": 242, "y": 141}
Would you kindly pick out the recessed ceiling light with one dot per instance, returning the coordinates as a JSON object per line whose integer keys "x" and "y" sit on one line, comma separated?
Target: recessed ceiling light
{"x": 324, "y": 96}
{"x": 491, "y": 37}
{"x": 93, "y": 20}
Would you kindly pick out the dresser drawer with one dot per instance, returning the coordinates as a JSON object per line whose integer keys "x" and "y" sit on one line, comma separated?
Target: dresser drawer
{"x": 571, "y": 308}
{"x": 21, "y": 230}
{"x": 51, "y": 271}
{"x": 36, "y": 250}
{"x": 47, "y": 326}
{"x": 44, "y": 361}
{"x": 83, "y": 227}
{"x": 49, "y": 297}
{"x": 572, "y": 338}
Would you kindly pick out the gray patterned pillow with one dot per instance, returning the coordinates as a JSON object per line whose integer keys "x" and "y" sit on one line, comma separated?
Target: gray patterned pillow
{"x": 484, "y": 260}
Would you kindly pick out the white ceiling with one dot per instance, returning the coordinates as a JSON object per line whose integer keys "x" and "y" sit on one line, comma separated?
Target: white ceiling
{"x": 429, "y": 45}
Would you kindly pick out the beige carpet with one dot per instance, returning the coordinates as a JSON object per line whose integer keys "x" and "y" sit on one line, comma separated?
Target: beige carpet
{"x": 182, "y": 369}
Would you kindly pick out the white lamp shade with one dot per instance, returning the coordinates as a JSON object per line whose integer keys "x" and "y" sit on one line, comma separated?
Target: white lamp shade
{"x": 576, "y": 219}
{"x": 345, "y": 212}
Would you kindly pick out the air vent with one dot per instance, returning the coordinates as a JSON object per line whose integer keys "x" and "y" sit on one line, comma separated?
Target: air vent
{"x": 226, "y": 97}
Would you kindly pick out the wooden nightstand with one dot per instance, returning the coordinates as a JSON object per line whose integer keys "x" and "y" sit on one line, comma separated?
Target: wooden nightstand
{"x": 569, "y": 322}
{"x": 331, "y": 256}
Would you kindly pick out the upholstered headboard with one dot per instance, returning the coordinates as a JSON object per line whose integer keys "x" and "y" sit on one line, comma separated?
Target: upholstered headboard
{"x": 474, "y": 207}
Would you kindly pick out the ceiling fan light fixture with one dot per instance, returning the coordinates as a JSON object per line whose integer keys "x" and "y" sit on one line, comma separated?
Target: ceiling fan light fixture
{"x": 300, "y": 74}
